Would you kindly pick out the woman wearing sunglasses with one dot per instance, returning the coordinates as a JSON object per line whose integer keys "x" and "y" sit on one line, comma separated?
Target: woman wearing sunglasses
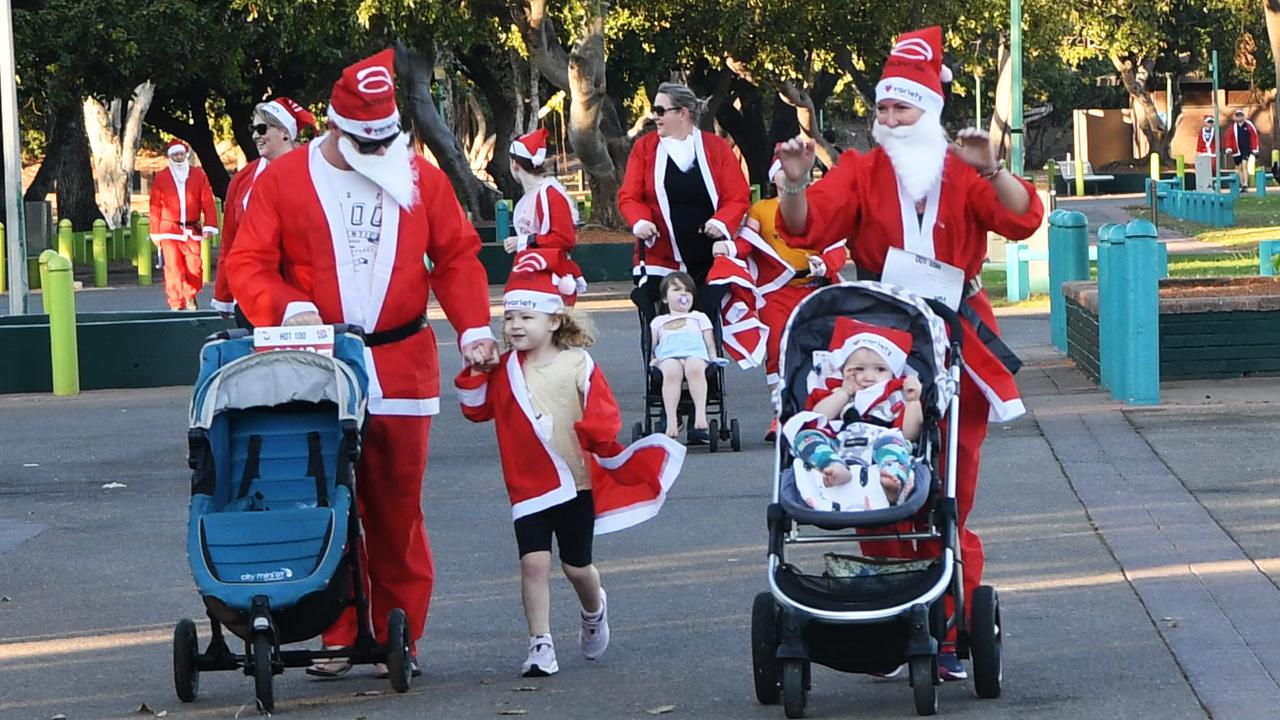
{"x": 275, "y": 128}
{"x": 684, "y": 189}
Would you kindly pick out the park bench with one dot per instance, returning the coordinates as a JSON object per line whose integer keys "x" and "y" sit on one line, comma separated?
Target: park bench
{"x": 1068, "y": 168}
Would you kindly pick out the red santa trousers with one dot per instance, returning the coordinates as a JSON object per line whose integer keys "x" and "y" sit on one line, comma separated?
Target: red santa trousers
{"x": 973, "y": 431}
{"x": 183, "y": 271}
{"x": 397, "y": 554}
{"x": 778, "y": 306}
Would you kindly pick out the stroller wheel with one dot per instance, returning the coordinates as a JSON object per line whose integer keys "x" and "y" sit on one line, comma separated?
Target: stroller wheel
{"x": 262, "y": 675}
{"x": 637, "y": 431}
{"x": 764, "y": 648}
{"x": 713, "y": 435}
{"x": 735, "y": 437}
{"x": 186, "y": 649}
{"x": 794, "y": 692}
{"x": 399, "y": 653}
{"x": 924, "y": 683}
{"x": 985, "y": 639}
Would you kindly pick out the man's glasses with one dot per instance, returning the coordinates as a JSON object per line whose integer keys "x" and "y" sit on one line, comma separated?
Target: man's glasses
{"x": 369, "y": 147}
{"x": 659, "y": 110}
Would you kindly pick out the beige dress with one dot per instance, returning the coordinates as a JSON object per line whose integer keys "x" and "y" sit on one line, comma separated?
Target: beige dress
{"x": 555, "y": 391}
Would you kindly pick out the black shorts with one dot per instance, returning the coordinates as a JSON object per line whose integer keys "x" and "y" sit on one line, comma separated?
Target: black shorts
{"x": 572, "y": 522}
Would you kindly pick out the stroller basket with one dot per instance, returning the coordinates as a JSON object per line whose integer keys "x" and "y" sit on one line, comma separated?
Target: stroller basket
{"x": 863, "y": 593}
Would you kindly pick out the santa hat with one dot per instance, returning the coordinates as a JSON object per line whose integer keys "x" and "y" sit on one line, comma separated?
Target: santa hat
{"x": 175, "y": 146}
{"x": 852, "y": 335}
{"x": 914, "y": 72}
{"x": 363, "y": 102}
{"x": 542, "y": 280}
{"x": 290, "y": 115}
{"x": 1209, "y": 119}
{"x": 531, "y": 147}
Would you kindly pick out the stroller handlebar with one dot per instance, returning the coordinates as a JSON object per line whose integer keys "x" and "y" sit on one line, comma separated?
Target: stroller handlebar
{"x": 238, "y": 333}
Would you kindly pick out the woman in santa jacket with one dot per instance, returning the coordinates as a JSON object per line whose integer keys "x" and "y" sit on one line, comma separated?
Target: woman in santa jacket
{"x": 545, "y": 216}
{"x": 565, "y": 472}
{"x": 684, "y": 189}
{"x": 275, "y": 127}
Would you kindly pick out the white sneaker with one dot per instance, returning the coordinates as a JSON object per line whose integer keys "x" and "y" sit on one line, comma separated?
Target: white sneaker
{"x": 542, "y": 658}
{"x": 594, "y": 636}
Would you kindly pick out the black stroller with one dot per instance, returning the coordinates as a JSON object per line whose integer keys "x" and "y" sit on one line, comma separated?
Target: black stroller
{"x": 871, "y": 614}
{"x": 720, "y": 426}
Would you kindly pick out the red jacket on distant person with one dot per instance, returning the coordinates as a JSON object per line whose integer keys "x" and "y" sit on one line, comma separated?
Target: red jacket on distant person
{"x": 1232, "y": 144}
{"x": 183, "y": 216}
{"x": 238, "y": 194}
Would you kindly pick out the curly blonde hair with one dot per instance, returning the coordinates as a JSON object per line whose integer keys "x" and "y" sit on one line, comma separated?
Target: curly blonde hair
{"x": 576, "y": 330}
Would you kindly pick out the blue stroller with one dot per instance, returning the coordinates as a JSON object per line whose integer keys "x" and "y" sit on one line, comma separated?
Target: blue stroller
{"x": 273, "y": 529}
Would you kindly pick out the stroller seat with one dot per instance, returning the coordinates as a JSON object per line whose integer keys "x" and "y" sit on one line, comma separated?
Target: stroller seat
{"x": 249, "y": 547}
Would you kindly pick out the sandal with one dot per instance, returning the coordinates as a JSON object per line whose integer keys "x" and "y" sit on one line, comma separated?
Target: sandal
{"x": 330, "y": 668}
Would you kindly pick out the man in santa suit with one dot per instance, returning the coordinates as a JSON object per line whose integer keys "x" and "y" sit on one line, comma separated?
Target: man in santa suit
{"x": 784, "y": 275}
{"x": 337, "y": 233}
{"x": 921, "y": 193}
{"x": 545, "y": 216}
{"x": 182, "y": 213}
{"x": 1242, "y": 144}
{"x": 275, "y": 126}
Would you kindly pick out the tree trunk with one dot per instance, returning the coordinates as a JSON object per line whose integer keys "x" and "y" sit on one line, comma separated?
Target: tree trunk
{"x": 1134, "y": 75}
{"x": 114, "y": 136}
{"x": 241, "y": 115}
{"x": 745, "y": 124}
{"x": 589, "y": 97}
{"x": 506, "y": 119}
{"x": 76, "y": 200}
{"x": 1271, "y": 8}
{"x": 199, "y": 136}
{"x": 1002, "y": 111}
{"x": 430, "y": 128}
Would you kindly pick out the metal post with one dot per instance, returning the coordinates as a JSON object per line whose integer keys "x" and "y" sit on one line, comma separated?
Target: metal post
{"x": 65, "y": 240}
{"x": 4, "y": 278}
{"x": 1015, "y": 57}
{"x": 16, "y": 238}
{"x": 99, "y": 253}
{"x": 1217, "y": 115}
{"x": 142, "y": 243}
{"x": 1141, "y": 356}
{"x": 1112, "y": 317}
{"x": 1180, "y": 167}
{"x": 60, "y": 304}
{"x": 1068, "y": 261}
{"x": 206, "y": 258}
{"x": 502, "y": 221}
{"x": 977, "y": 101}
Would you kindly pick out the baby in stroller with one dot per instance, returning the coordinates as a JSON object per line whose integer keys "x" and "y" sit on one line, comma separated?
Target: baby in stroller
{"x": 684, "y": 344}
{"x": 864, "y": 414}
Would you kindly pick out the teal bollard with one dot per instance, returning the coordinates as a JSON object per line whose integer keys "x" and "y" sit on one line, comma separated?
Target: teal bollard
{"x": 1260, "y": 182}
{"x": 1068, "y": 262}
{"x": 502, "y": 221}
{"x": 1017, "y": 275}
{"x": 1266, "y": 250}
{"x": 1140, "y": 357}
{"x": 1111, "y": 311}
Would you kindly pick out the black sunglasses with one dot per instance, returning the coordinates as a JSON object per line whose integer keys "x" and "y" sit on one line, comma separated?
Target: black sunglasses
{"x": 369, "y": 147}
{"x": 259, "y": 129}
{"x": 660, "y": 110}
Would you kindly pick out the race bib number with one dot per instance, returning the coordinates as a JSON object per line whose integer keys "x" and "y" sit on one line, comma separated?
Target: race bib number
{"x": 307, "y": 338}
{"x": 924, "y": 276}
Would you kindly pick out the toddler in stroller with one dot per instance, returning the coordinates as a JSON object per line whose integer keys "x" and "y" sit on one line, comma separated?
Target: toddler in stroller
{"x": 869, "y": 612}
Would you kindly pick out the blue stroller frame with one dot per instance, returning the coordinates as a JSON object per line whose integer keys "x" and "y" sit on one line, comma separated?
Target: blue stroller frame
{"x": 273, "y": 528}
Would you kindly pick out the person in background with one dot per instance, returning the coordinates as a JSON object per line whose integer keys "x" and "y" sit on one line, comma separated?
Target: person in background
{"x": 183, "y": 213}
{"x": 1242, "y": 144}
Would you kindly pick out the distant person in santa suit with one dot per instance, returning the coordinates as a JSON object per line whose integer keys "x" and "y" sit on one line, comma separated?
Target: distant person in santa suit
{"x": 917, "y": 191}
{"x": 1242, "y": 144}
{"x": 338, "y": 233}
{"x": 1207, "y": 140}
{"x": 275, "y": 127}
{"x": 545, "y": 217}
{"x": 182, "y": 213}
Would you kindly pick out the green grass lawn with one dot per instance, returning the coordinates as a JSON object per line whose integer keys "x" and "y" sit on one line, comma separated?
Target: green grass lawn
{"x": 1257, "y": 218}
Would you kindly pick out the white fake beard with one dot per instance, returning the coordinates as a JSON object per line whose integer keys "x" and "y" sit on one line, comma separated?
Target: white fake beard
{"x": 180, "y": 170}
{"x": 392, "y": 171}
{"x": 918, "y": 153}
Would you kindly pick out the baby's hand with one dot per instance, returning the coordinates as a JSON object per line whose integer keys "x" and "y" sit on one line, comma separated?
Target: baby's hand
{"x": 911, "y": 387}
{"x": 890, "y": 484}
{"x": 836, "y": 474}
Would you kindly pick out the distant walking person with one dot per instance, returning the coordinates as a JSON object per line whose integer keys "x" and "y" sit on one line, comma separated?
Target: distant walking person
{"x": 182, "y": 213}
{"x": 1242, "y": 143}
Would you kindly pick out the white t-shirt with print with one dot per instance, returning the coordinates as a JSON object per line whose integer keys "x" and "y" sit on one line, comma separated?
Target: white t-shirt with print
{"x": 360, "y": 201}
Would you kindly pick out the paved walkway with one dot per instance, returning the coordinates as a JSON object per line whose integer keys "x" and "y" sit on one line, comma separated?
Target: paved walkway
{"x": 1101, "y": 209}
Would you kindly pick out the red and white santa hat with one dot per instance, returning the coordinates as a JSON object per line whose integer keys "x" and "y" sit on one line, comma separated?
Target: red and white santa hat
{"x": 290, "y": 115}
{"x": 531, "y": 147}
{"x": 914, "y": 72}
{"x": 542, "y": 280}
{"x": 851, "y": 335}
{"x": 1209, "y": 119}
{"x": 175, "y": 146}
{"x": 363, "y": 102}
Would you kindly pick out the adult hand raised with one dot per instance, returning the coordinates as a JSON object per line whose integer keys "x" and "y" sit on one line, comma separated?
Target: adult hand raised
{"x": 797, "y": 156}
{"x": 973, "y": 146}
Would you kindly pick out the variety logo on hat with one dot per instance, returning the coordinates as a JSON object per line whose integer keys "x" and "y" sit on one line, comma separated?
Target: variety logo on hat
{"x": 851, "y": 335}
{"x": 543, "y": 281}
{"x": 289, "y": 114}
{"x": 363, "y": 102}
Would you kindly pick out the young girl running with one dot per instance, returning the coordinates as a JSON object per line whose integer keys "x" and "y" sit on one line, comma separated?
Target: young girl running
{"x": 565, "y": 472}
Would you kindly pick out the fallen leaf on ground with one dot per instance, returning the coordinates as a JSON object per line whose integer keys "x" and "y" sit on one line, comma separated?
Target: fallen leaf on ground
{"x": 661, "y": 710}
{"x": 113, "y": 485}
{"x": 143, "y": 709}
{"x": 59, "y": 716}
{"x": 525, "y": 688}
{"x": 162, "y": 713}
{"x": 486, "y": 681}
{"x": 6, "y": 598}
{"x": 513, "y": 711}
{"x": 30, "y": 464}
{"x": 368, "y": 693}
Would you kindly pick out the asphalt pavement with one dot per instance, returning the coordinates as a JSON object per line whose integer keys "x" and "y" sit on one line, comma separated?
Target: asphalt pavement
{"x": 93, "y": 573}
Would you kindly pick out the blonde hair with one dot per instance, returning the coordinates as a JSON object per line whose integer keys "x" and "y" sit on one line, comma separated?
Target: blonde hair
{"x": 576, "y": 330}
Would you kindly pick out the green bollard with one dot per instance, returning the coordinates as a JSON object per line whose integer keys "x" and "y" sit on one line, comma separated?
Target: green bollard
{"x": 217, "y": 239}
{"x": 131, "y": 238}
{"x": 586, "y": 201}
{"x": 1180, "y": 167}
{"x": 44, "y": 270}
{"x": 65, "y": 239}
{"x": 755, "y": 194}
{"x": 502, "y": 221}
{"x": 1052, "y": 168}
{"x": 1068, "y": 262}
{"x": 60, "y": 304}
{"x": 1155, "y": 167}
{"x": 206, "y": 258}
{"x": 1260, "y": 181}
{"x": 99, "y": 253}
{"x": 4, "y": 273}
{"x": 1140, "y": 357}
{"x": 1079, "y": 175}
{"x": 142, "y": 240}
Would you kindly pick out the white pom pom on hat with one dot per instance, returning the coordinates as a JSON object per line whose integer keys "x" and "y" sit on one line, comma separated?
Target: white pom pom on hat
{"x": 945, "y": 74}
{"x": 567, "y": 285}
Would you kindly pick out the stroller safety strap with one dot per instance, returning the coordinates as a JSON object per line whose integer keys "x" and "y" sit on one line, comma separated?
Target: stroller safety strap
{"x": 250, "y": 466}
{"x": 315, "y": 468}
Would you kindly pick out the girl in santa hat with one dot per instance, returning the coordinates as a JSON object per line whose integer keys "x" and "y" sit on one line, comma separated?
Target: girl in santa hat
{"x": 565, "y": 472}
{"x": 545, "y": 216}
{"x": 276, "y": 127}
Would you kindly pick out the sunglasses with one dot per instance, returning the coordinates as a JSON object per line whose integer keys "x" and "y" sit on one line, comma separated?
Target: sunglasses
{"x": 369, "y": 147}
{"x": 659, "y": 110}
{"x": 259, "y": 129}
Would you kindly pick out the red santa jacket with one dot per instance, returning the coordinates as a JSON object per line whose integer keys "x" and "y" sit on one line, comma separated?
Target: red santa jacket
{"x": 1232, "y": 145}
{"x": 628, "y": 485}
{"x": 546, "y": 218}
{"x": 1207, "y": 141}
{"x": 643, "y": 195}
{"x": 745, "y": 336}
{"x": 773, "y": 264}
{"x": 185, "y": 215}
{"x": 238, "y": 194}
{"x": 291, "y": 249}
{"x": 859, "y": 200}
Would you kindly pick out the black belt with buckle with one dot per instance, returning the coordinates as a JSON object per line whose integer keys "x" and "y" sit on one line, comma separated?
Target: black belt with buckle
{"x": 395, "y": 334}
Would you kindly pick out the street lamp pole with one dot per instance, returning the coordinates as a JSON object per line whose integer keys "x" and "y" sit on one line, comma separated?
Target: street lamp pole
{"x": 15, "y": 227}
{"x": 1015, "y": 57}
